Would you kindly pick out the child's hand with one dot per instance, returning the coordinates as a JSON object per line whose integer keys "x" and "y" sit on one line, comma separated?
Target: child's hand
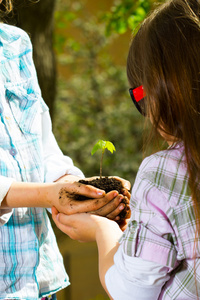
{"x": 123, "y": 200}
{"x": 81, "y": 227}
{"x": 63, "y": 197}
{"x": 108, "y": 205}
{"x": 127, "y": 195}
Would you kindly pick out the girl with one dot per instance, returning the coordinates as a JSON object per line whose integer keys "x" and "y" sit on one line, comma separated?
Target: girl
{"x": 34, "y": 175}
{"x": 158, "y": 255}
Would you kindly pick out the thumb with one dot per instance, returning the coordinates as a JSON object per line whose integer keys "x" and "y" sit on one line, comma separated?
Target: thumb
{"x": 55, "y": 212}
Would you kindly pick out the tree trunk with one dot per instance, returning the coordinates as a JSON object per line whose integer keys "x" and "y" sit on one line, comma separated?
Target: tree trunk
{"x": 37, "y": 20}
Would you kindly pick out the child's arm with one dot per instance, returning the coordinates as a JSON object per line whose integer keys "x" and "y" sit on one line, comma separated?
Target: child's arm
{"x": 60, "y": 195}
{"x": 133, "y": 277}
{"x": 107, "y": 237}
{"x": 87, "y": 227}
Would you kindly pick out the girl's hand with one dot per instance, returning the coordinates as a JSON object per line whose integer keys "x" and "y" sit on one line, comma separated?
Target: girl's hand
{"x": 82, "y": 227}
{"x": 87, "y": 228}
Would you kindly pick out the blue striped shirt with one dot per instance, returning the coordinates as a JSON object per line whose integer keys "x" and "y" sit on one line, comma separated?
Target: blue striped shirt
{"x": 31, "y": 265}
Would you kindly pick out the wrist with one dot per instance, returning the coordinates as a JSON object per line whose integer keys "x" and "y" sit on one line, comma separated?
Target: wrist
{"x": 107, "y": 237}
{"x": 108, "y": 229}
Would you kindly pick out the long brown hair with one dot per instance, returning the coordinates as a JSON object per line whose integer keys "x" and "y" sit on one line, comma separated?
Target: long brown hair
{"x": 164, "y": 57}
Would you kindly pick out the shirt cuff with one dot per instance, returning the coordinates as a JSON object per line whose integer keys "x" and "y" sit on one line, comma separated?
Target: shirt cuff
{"x": 5, "y": 184}
{"x": 63, "y": 166}
{"x": 135, "y": 276}
{"x": 120, "y": 288}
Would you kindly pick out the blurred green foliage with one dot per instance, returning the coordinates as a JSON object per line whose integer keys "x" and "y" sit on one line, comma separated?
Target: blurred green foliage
{"x": 126, "y": 14}
{"x": 93, "y": 103}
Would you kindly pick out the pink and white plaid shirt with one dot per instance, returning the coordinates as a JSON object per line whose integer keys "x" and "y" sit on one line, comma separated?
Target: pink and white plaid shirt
{"x": 162, "y": 226}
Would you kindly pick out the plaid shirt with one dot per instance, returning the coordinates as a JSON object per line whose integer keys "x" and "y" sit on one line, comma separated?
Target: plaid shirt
{"x": 162, "y": 226}
{"x": 31, "y": 265}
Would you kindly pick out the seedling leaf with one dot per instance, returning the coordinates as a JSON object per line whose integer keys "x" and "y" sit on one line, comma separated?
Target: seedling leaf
{"x": 103, "y": 145}
{"x": 99, "y": 145}
{"x": 110, "y": 146}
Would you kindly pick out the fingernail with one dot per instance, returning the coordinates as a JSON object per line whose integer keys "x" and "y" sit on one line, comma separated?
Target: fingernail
{"x": 121, "y": 207}
{"x": 100, "y": 193}
{"x": 57, "y": 217}
{"x": 120, "y": 199}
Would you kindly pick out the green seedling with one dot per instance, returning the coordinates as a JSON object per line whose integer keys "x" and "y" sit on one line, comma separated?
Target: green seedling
{"x": 103, "y": 145}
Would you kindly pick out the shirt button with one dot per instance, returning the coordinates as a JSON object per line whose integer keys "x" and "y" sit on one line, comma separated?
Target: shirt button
{"x": 13, "y": 152}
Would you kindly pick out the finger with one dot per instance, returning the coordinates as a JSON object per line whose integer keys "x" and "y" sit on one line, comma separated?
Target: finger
{"x": 125, "y": 202}
{"x": 112, "y": 208}
{"x": 55, "y": 215}
{"x": 54, "y": 210}
{"x": 126, "y": 193}
{"x": 87, "y": 190}
{"x": 65, "y": 225}
{"x": 81, "y": 227}
{"x": 76, "y": 206}
{"x": 68, "y": 230}
{"x": 114, "y": 215}
{"x": 68, "y": 220}
{"x": 124, "y": 214}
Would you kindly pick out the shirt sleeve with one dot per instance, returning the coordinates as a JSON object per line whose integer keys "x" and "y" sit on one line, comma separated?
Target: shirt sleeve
{"x": 148, "y": 247}
{"x": 135, "y": 276}
{"x": 55, "y": 163}
{"x": 150, "y": 229}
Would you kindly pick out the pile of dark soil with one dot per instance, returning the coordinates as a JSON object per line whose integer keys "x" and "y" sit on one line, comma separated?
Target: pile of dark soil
{"x": 109, "y": 184}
